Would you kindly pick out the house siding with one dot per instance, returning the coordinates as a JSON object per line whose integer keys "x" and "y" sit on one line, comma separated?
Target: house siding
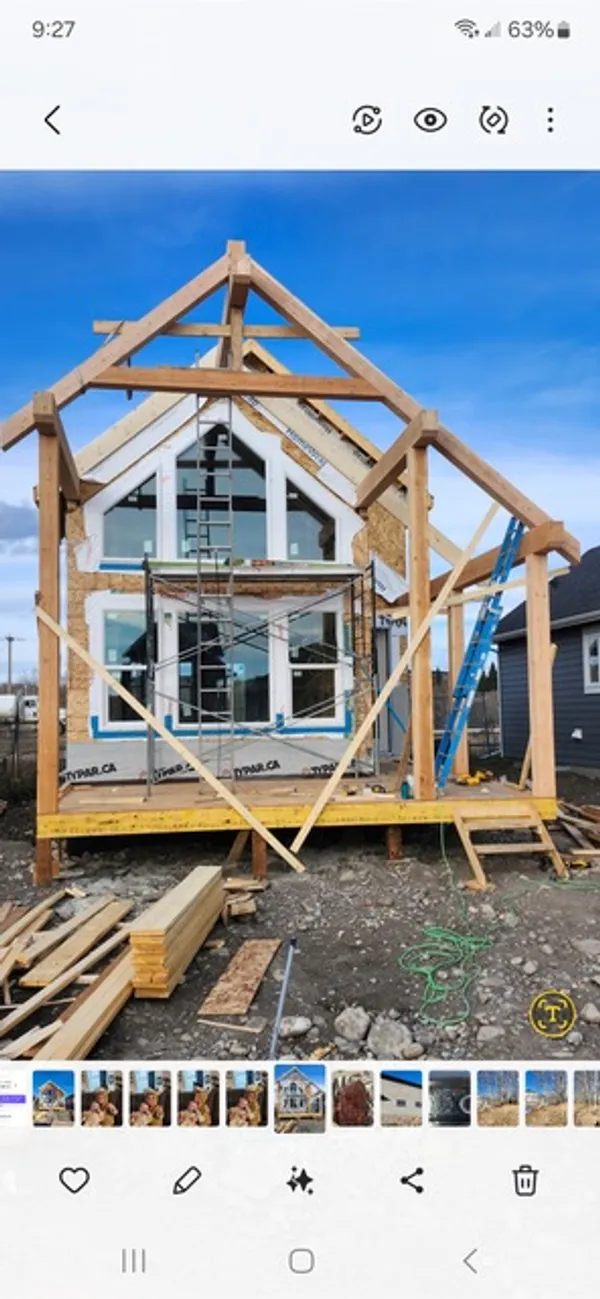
{"x": 573, "y": 708}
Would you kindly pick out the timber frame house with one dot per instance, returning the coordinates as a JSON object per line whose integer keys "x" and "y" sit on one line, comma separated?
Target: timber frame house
{"x": 240, "y": 371}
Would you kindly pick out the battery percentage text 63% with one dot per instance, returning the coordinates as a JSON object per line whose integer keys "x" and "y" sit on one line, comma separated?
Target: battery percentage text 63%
{"x": 529, "y": 28}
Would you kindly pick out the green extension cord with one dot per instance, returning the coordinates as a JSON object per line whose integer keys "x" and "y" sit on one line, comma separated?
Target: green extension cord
{"x": 446, "y": 949}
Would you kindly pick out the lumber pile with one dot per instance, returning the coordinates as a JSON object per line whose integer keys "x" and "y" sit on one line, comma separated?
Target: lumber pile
{"x": 166, "y": 937}
{"x": 582, "y": 825}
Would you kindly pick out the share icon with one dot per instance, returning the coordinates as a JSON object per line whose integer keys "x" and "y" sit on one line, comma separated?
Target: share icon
{"x": 408, "y": 1180}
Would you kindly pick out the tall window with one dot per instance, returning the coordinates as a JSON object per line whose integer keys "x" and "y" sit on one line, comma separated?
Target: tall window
{"x": 130, "y": 525}
{"x": 312, "y": 641}
{"x": 220, "y": 678}
{"x": 125, "y": 658}
{"x": 591, "y": 662}
{"x": 311, "y": 532}
{"x": 214, "y": 479}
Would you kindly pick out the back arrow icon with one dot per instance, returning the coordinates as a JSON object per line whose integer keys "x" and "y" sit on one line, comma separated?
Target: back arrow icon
{"x": 468, "y": 1264}
{"x": 49, "y": 122}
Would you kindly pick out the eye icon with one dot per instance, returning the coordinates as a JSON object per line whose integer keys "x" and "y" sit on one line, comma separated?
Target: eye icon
{"x": 430, "y": 120}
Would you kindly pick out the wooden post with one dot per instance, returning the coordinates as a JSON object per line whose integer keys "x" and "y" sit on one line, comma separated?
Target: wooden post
{"x": 539, "y": 676}
{"x": 393, "y": 842}
{"x": 259, "y": 856}
{"x": 48, "y": 733}
{"x": 236, "y": 344}
{"x": 422, "y": 685}
{"x": 456, "y": 654}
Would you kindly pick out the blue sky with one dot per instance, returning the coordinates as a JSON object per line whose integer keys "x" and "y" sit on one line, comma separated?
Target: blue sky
{"x": 490, "y": 1081}
{"x": 314, "y": 1072}
{"x": 62, "y": 1078}
{"x": 542, "y": 1081}
{"x": 479, "y": 293}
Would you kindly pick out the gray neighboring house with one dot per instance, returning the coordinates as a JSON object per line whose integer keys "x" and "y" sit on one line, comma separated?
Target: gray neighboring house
{"x": 575, "y": 623}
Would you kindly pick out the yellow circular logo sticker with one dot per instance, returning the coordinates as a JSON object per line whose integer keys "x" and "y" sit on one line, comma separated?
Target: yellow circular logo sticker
{"x": 552, "y": 1014}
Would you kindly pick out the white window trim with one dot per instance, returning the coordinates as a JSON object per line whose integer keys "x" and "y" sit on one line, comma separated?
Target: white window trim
{"x": 96, "y": 607}
{"x": 590, "y": 687}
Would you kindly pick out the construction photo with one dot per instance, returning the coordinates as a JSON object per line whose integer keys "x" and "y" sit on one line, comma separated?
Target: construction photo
{"x": 262, "y": 824}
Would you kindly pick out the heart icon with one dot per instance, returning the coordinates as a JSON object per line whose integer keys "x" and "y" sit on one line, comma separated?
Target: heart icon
{"x": 74, "y": 1179}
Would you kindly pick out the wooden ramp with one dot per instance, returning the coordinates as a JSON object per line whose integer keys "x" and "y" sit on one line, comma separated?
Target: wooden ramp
{"x": 530, "y": 836}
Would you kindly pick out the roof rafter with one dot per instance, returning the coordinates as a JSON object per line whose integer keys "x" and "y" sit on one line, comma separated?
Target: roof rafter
{"x": 421, "y": 431}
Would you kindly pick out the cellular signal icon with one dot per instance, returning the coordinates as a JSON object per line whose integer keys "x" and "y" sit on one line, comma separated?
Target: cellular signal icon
{"x": 467, "y": 27}
{"x": 496, "y": 30}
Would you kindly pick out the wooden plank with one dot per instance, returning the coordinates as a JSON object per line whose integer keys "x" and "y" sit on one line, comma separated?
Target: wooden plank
{"x": 547, "y": 537}
{"x": 46, "y": 942}
{"x": 471, "y": 852}
{"x": 234, "y": 884}
{"x": 526, "y": 768}
{"x": 48, "y": 421}
{"x": 238, "y": 847}
{"x": 63, "y": 957}
{"x": 364, "y": 729}
{"x": 165, "y": 913}
{"x": 48, "y": 729}
{"x": 29, "y": 1007}
{"x": 10, "y": 961}
{"x": 226, "y": 383}
{"x": 86, "y": 1025}
{"x": 401, "y": 771}
{"x": 30, "y": 1041}
{"x": 9, "y": 914}
{"x": 185, "y": 753}
{"x": 421, "y": 432}
{"x": 129, "y": 341}
{"x": 239, "y": 984}
{"x": 456, "y": 654}
{"x": 539, "y": 678}
{"x": 259, "y": 857}
{"x": 480, "y": 592}
{"x": 197, "y": 329}
{"x": 239, "y": 1028}
{"x": 422, "y": 678}
{"x": 29, "y": 916}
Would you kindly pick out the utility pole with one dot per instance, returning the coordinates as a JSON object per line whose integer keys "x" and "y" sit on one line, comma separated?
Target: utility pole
{"x": 10, "y": 640}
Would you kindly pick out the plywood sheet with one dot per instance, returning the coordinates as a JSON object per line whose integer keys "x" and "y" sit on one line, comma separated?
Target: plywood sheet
{"x": 237, "y": 987}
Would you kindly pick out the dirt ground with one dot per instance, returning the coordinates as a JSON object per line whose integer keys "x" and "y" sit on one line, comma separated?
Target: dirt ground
{"x": 548, "y": 1116}
{"x": 587, "y": 1116}
{"x": 355, "y": 917}
{"x": 498, "y": 1116}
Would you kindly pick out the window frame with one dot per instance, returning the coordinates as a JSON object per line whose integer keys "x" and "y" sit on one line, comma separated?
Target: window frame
{"x": 126, "y": 560}
{"x": 592, "y": 634}
{"x": 108, "y": 723}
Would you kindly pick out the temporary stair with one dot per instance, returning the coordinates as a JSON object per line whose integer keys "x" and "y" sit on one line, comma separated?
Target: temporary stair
{"x": 527, "y": 823}
{"x": 476, "y": 656}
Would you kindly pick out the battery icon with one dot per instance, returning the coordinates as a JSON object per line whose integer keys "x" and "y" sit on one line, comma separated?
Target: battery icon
{"x": 563, "y": 31}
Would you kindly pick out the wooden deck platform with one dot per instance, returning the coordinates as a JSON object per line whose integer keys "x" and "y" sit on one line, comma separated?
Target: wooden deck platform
{"x": 185, "y": 806}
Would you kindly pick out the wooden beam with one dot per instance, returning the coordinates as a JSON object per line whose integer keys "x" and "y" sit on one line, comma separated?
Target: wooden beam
{"x": 500, "y": 489}
{"x": 48, "y": 421}
{"x": 238, "y": 286}
{"x": 480, "y": 592}
{"x": 542, "y": 540}
{"x": 364, "y": 729}
{"x": 539, "y": 678}
{"x": 29, "y": 1007}
{"x": 48, "y": 729}
{"x": 129, "y": 341}
{"x": 217, "y": 785}
{"x": 456, "y": 654}
{"x": 526, "y": 768}
{"x": 419, "y": 433}
{"x": 200, "y": 330}
{"x": 226, "y": 383}
{"x": 422, "y": 681}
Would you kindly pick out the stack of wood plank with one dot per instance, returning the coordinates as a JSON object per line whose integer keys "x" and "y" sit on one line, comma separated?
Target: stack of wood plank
{"x": 582, "y": 825}
{"x": 166, "y": 937}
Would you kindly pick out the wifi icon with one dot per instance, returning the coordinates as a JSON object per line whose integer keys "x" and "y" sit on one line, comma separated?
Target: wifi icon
{"x": 467, "y": 27}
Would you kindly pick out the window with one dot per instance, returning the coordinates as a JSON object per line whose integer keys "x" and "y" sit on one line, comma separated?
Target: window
{"x": 311, "y": 532}
{"x": 125, "y": 658}
{"x": 312, "y": 639}
{"x": 204, "y": 678}
{"x": 591, "y": 662}
{"x": 130, "y": 525}
{"x": 207, "y": 473}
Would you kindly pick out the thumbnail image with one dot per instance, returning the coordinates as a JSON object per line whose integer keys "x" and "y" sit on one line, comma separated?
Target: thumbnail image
{"x": 498, "y": 1098}
{"x": 198, "y": 1098}
{"x": 401, "y": 1098}
{"x": 247, "y": 1098}
{"x": 587, "y": 1098}
{"x": 300, "y": 1098}
{"x": 149, "y": 1098}
{"x": 449, "y": 1099}
{"x": 546, "y": 1098}
{"x": 352, "y": 1099}
{"x": 54, "y": 1098}
{"x": 101, "y": 1099}
{"x": 15, "y": 1094}
{"x": 214, "y": 419}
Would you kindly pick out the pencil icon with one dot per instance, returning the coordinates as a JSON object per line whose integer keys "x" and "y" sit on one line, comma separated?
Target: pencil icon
{"x": 187, "y": 1180}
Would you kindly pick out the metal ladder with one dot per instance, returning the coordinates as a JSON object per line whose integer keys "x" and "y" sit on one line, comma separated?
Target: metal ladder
{"x": 476, "y": 656}
{"x": 212, "y": 541}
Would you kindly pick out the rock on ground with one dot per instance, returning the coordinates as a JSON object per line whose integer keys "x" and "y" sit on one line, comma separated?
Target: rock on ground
{"x": 294, "y": 1026}
{"x": 388, "y": 1039}
{"x": 353, "y": 1024}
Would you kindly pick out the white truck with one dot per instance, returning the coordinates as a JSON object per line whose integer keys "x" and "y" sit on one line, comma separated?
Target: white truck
{"x": 23, "y": 708}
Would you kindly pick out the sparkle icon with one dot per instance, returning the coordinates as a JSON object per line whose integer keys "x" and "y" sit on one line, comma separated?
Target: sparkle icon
{"x": 302, "y": 1180}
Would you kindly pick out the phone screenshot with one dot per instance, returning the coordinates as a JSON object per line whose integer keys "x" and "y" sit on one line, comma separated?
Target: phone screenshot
{"x": 299, "y": 649}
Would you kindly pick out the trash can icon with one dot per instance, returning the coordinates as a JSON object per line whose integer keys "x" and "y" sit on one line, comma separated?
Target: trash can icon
{"x": 525, "y": 1179}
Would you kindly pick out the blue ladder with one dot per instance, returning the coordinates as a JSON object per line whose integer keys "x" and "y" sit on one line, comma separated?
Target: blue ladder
{"x": 476, "y": 656}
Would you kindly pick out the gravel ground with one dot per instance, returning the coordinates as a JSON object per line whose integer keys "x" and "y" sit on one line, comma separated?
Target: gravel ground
{"x": 354, "y": 916}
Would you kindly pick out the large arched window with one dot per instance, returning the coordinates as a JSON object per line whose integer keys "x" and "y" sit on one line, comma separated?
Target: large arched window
{"x": 208, "y": 474}
{"x": 130, "y": 525}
